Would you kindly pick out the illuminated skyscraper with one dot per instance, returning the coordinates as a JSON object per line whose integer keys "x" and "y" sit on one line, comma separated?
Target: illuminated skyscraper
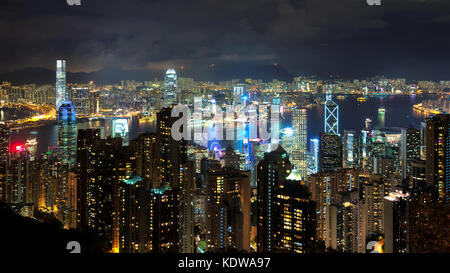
{"x": 349, "y": 149}
{"x": 170, "y": 88}
{"x": 438, "y": 156}
{"x": 294, "y": 228}
{"x": 4, "y": 151}
{"x": 61, "y": 92}
{"x": 330, "y": 152}
{"x": 67, "y": 133}
{"x": 271, "y": 173}
{"x": 299, "y": 140}
{"x": 314, "y": 150}
{"x": 395, "y": 222}
{"x": 331, "y": 115}
{"x": 228, "y": 210}
{"x": 410, "y": 149}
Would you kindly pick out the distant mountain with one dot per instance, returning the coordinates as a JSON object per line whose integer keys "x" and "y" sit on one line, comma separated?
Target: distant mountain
{"x": 214, "y": 73}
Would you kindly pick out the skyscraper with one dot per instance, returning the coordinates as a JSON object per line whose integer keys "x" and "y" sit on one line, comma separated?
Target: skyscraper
{"x": 438, "y": 156}
{"x": 67, "y": 133}
{"x": 349, "y": 149}
{"x": 4, "y": 152}
{"x": 410, "y": 149}
{"x": 299, "y": 140}
{"x": 395, "y": 222}
{"x": 271, "y": 173}
{"x": 294, "y": 228}
{"x": 314, "y": 150}
{"x": 228, "y": 210}
{"x": 330, "y": 152}
{"x": 170, "y": 88}
{"x": 61, "y": 92}
{"x": 331, "y": 115}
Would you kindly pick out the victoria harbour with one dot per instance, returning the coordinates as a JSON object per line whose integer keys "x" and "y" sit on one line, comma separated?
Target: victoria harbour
{"x": 399, "y": 112}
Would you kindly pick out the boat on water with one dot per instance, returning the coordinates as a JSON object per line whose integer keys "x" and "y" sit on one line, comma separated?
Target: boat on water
{"x": 361, "y": 99}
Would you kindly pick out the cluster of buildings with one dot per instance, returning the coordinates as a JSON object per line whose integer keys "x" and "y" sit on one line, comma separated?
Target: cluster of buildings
{"x": 155, "y": 194}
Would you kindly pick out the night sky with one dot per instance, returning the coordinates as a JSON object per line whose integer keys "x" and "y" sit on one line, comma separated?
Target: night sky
{"x": 408, "y": 38}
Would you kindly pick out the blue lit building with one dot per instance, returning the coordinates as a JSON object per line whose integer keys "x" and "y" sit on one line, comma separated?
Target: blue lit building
{"x": 170, "y": 88}
{"x": 331, "y": 116}
{"x": 67, "y": 132}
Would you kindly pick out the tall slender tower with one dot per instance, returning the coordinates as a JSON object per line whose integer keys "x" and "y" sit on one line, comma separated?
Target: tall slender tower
{"x": 331, "y": 115}
{"x": 299, "y": 141}
{"x": 170, "y": 88}
{"x": 4, "y": 152}
{"x": 61, "y": 92}
{"x": 438, "y": 156}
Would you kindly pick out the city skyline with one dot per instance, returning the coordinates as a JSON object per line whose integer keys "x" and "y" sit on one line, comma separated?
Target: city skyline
{"x": 231, "y": 128}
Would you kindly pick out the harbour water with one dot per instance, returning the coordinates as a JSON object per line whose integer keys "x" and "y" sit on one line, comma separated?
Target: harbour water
{"x": 352, "y": 115}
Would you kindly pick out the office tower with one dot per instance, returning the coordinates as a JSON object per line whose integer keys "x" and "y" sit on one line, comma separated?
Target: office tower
{"x": 61, "y": 92}
{"x": 417, "y": 178}
{"x": 134, "y": 215}
{"x": 67, "y": 133}
{"x": 395, "y": 221}
{"x": 228, "y": 210}
{"x": 364, "y": 151}
{"x": 331, "y": 115}
{"x": 271, "y": 173}
{"x": 94, "y": 102}
{"x": 330, "y": 152}
{"x": 349, "y": 149}
{"x": 79, "y": 96}
{"x": 314, "y": 150}
{"x": 170, "y": 88}
{"x": 164, "y": 225}
{"x": 4, "y": 153}
{"x": 410, "y": 149}
{"x": 325, "y": 187}
{"x": 299, "y": 140}
{"x": 438, "y": 156}
{"x": 294, "y": 215}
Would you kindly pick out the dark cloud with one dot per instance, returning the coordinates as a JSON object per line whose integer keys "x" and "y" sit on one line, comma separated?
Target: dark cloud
{"x": 403, "y": 37}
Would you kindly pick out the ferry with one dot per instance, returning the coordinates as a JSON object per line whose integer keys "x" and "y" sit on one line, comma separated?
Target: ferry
{"x": 361, "y": 99}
